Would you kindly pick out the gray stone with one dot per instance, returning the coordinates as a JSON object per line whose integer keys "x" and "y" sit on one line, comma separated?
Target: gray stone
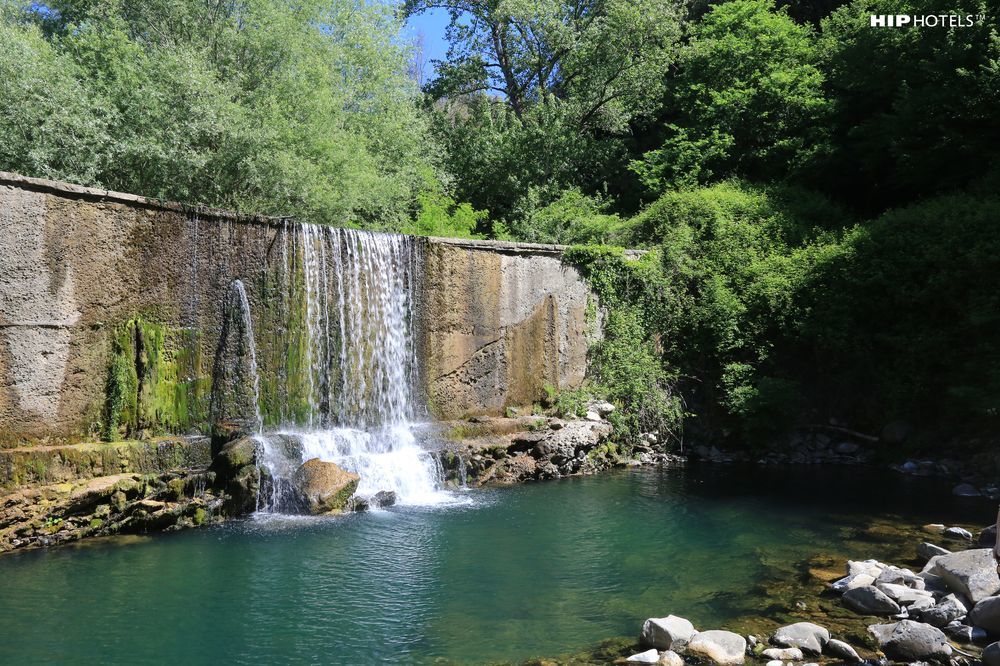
{"x": 971, "y": 573}
{"x": 873, "y": 568}
{"x": 842, "y": 650}
{"x": 988, "y": 537}
{"x": 783, "y": 654}
{"x": 671, "y": 658}
{"x": 723, "y": 648}
{"x": 963, "y": 633}
{"x": 898, "y": 576}
{"x": 850, "y": 582}
{"x": 603, "y": 408}
{"x": 911, "y": 641}
{"x": 667, "y": 633}
{"x": 773, "y": 662}
{"x": 920, "y": 604}
{"x": 807, "y": 636}
{"x": 903, "y": 595}
{"x": 847, "y": 448}
{"x": 947, "y": 610}
{"x": 650, "y": 656}
{"x": 870, "y": 601}
{"x": 986, "y": 614}
{"x": 927, "y": 550}
{"x": 991, "y": 655}
{"x": 966, "y": 490}
{"x": 958, "y": 533}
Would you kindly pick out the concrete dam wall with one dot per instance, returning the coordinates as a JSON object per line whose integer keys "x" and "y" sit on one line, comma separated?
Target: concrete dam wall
{"x": 117, "y": 317}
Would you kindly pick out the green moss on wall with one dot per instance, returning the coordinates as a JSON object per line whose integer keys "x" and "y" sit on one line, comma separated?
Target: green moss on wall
{"x": 155, "y": 381}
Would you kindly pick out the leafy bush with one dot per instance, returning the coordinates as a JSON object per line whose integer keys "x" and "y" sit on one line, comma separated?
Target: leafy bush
{"x": 627, "y": 366}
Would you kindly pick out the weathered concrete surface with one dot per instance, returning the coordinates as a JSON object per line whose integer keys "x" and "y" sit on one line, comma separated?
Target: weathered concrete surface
{"x": 499, "y": 324}
{"x": 90, "y": 278}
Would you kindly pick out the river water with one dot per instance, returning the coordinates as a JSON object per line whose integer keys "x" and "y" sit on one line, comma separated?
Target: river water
{"x": 539, "y": 569}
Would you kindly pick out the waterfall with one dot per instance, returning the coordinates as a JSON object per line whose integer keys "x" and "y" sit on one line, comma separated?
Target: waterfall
{"x": 359, "y": 310}
{"x": 239, "y": 300}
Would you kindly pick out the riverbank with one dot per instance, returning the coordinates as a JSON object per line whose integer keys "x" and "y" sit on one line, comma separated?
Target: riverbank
{"x": 61, "y": 494}
{"x": 935, "y": 604}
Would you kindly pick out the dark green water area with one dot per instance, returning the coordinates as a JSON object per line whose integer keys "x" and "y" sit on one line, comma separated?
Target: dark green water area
{"x": 540, "y": 570}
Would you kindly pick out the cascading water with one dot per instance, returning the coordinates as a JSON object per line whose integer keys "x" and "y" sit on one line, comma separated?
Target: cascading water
{"x": 359, "y": 303}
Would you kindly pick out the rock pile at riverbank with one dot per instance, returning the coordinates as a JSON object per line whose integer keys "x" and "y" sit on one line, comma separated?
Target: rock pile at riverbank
{"x": 504, "y": 451}
{"x": 948, "y": 612}
{"x": 61, "y": 513}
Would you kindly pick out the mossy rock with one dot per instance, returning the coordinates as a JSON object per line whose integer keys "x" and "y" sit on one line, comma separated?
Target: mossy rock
{"x": 235, "y": 456}
{"x": 325, "y": 485}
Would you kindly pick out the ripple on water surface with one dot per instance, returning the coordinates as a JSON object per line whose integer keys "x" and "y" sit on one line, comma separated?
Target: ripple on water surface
{"x": 505, "y": 574}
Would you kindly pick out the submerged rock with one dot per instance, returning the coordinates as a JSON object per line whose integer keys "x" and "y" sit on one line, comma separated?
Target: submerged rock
{"x": 723, "y": 648}
{"x": 804, "y": 635}
{"x": 911, "y": 641}
{"x": 966, "y": 490}
{"x": 325, "y": 486}
{"x": 971, "y": 573}
{"x": 667, "y": 633}
{"x": 928, "y": 550}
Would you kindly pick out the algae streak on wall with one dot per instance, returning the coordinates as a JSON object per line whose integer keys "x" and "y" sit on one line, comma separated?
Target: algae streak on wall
{"x": 114, "y": 312}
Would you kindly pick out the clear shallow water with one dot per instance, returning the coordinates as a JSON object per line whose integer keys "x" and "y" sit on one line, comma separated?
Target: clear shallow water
{"x": 539, "y": 569}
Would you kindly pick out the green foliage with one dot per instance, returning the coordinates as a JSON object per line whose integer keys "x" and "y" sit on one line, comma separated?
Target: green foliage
{"x": 573, "y": 218}
{"x": 903, "y": 319}
{"x": 296, "y": 109}
{"x": 914, "y": 110}
{"x": 733, "y": 260}
{"x": 514, "y": 165}
{"x": 747, "y": 99}
{"x": 439, "y": 215}
{"x": 50, "y": 125}
{"x": 627, "y": 365}
{"x": 602, "y": 60}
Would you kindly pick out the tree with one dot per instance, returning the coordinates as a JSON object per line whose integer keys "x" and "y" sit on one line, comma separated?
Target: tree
{"x": 914, "y": 110}
{"x": 299, "y": 108}
{"x": 747, "y": 100}
{"x": 50, "y": 125}
{"x": 605, "y": 57}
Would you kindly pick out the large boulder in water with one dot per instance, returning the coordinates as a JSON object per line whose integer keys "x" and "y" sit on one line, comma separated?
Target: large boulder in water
{"x": 970, "y": 573}
{"x": 325, "y": 486}
{"x": 667, "y": 633}
{"x": 911, "y": 641}
{"x": 805, "y": 635}
{"x": 723, "y": 648}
